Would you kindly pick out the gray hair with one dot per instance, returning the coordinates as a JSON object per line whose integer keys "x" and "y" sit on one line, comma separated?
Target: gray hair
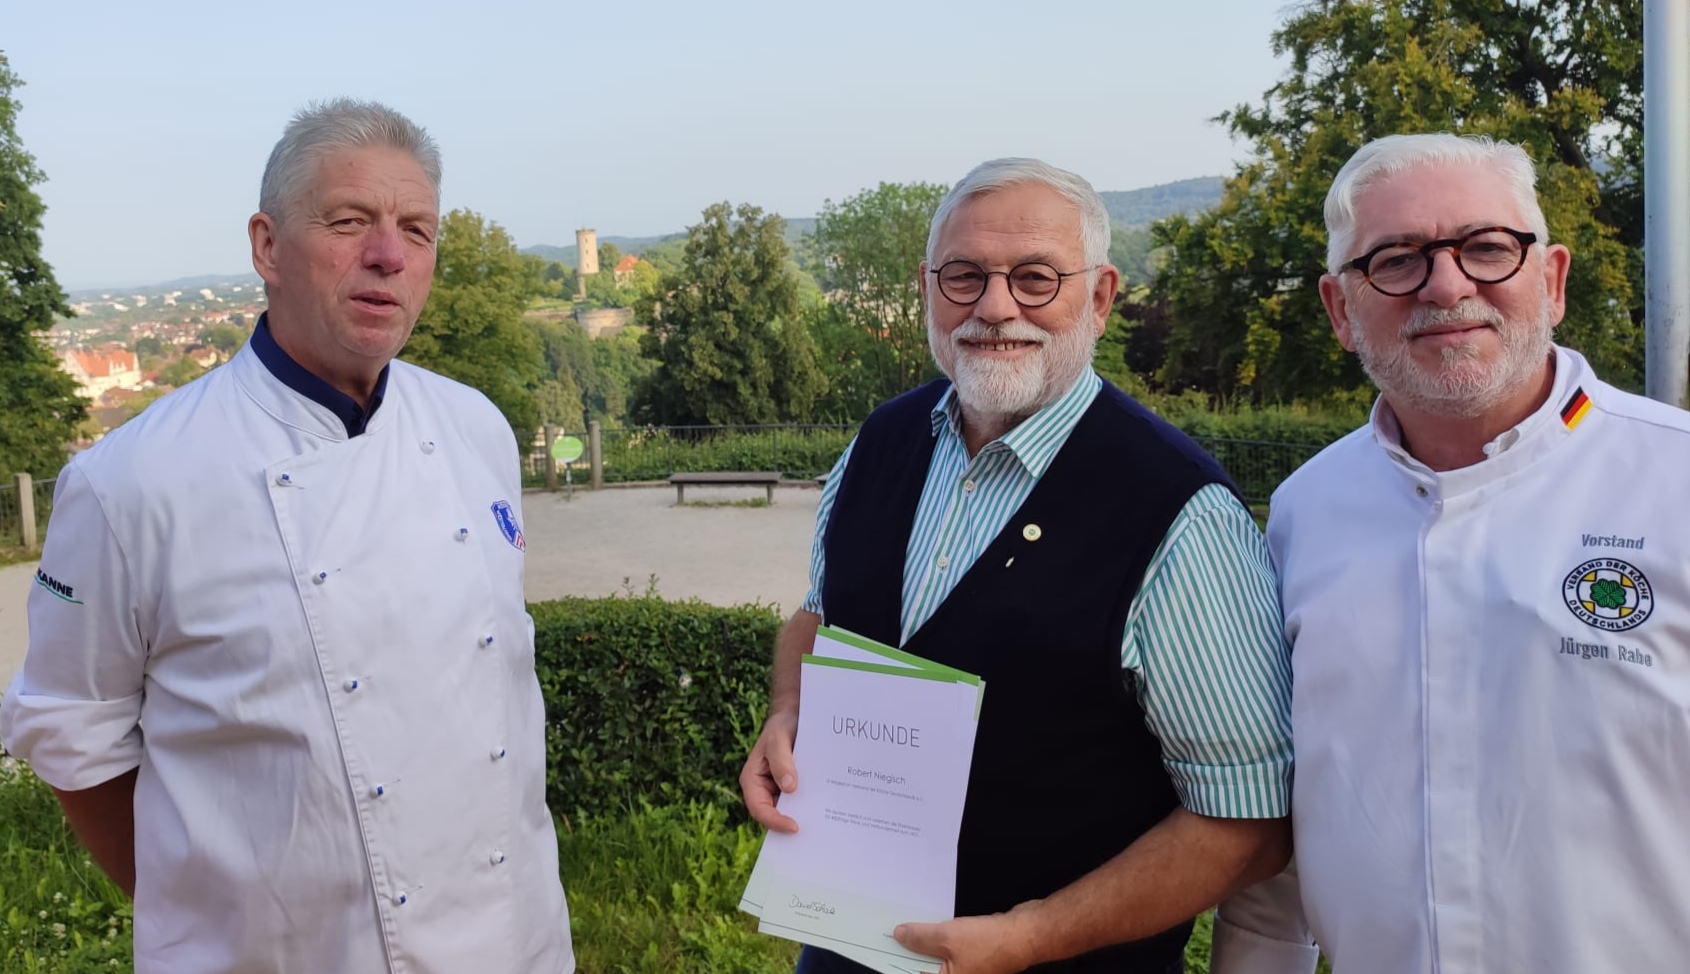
{"x": 1000, "y": 173}
{"x": 323, "y": 128}
{"x": 1396, "y": 153}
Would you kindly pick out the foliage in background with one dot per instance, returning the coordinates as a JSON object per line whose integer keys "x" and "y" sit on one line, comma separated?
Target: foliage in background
{"x": 655, "y": 890}
{"x": 649, "y": 699}
{"x": 1560, "y": 77}
{"x": 599, "y": 372}
{"x": 867, "y": 252}
{"x": 58, "y": 912}
{"x": 39, "y": 405}
{"x": 472, "y": 328}
{"x": 724, "y": 331}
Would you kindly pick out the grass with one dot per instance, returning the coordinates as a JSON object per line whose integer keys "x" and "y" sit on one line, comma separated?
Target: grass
{"x": 61, "y": 914}
{"x": 17, "y": 555}
{"x": 654, "y": 890}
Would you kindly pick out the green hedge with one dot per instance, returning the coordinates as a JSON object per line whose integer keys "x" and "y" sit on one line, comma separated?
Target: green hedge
{"x": 800, "y": 452}
{"x": 648, "y": 699}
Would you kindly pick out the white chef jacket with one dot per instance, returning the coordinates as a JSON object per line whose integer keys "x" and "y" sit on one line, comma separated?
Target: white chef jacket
{"x": 1491, "y": 701}
{"x": 316, "y": 650}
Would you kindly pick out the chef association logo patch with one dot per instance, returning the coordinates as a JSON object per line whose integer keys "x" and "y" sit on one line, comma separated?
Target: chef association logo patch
{"x": 508, "y": 527}
{"x": 1609, "y": 594}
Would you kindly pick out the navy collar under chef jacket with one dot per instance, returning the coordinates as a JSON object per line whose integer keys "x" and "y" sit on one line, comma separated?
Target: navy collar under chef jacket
{"x": 300, "y": 379}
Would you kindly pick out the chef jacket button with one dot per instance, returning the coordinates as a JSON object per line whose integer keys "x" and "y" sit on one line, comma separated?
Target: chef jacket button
{"x": 378, "y": 791}
{"x": 486, "y": 641}
{"x": 1420, "y": 489}
{"x": 497, "y": 857}
{"x": 320, "y": 577}
{"x": 463, "y": 534}
{"x": 284, "y": 480}
{"x": 427, "y": 446}
{"x": 350, "y": 685}
{"x": 496, "y": 753}
{"x": 401, "y": 899}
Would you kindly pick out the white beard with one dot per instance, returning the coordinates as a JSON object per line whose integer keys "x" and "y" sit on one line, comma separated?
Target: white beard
{"x": 991, "y": 388}
{"x": 1462, "y": 387}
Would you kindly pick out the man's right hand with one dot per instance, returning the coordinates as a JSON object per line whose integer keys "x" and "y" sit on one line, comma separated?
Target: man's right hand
{"x": 770, "y": 771}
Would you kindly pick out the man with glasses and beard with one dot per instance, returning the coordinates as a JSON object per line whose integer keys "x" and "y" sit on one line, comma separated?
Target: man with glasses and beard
{"x": 1026, "y": 521}
{"x": 1487, "y": 591}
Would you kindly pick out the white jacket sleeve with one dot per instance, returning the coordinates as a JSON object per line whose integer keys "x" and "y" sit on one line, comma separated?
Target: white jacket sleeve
{"x": 1261, "y": 930}
{"x": 74, "y": 711}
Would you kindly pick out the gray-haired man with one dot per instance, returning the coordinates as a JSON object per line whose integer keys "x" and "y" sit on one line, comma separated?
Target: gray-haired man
{"x": 1025, "y": 521}
{"x": 280, "y": 671}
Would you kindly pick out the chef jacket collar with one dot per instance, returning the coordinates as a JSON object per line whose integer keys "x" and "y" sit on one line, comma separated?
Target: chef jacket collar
{"x": 298, "y": 378}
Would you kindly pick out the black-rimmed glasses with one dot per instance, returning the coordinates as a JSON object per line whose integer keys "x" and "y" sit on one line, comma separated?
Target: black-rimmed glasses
{"x": 1032, "y": 285}
{"x": 1488, "y": 255}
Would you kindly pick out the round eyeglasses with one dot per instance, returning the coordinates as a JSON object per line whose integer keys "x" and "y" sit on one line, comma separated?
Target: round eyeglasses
{"x": 1488, "y": 255}
{"x": 1032, "y": 285}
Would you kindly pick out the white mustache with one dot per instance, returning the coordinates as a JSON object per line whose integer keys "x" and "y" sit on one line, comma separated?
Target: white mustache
{"x": 1008, "y": 331}
{"x": 1469, "y": 312}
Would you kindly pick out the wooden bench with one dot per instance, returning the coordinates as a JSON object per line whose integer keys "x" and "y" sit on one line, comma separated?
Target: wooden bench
{"x": 766, "y": 479}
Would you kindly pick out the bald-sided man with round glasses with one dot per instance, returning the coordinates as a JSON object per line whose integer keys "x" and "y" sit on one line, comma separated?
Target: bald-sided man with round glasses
{"x": 1487, "y": 594}
{"x": 1023, "y": 520}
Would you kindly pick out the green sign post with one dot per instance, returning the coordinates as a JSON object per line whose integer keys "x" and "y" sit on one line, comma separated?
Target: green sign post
{"x": 566, "y": 450}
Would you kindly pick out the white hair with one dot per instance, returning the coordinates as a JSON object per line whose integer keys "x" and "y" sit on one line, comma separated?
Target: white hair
{"x": 1396, "y": 153}
{"x": 323, "y": 128}
{"x": 1000, "y": 173}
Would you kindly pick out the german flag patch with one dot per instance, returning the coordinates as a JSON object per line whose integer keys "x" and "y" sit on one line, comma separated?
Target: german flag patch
{"x": 1573, "y": 413}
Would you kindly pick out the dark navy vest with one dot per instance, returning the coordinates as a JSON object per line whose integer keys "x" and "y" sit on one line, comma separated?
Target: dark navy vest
{"x": 1065, "y": 773}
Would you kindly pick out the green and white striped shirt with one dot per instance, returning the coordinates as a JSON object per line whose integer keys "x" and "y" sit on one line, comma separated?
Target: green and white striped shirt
{"x": 1204, "y": 641}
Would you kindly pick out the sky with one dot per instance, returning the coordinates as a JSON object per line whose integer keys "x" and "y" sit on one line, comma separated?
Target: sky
{"x": 153, "y": 120}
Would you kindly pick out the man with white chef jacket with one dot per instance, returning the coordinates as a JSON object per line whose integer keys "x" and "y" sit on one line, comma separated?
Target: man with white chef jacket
{"x": 1487, "y": 592}
{"x": 280, "y": 673}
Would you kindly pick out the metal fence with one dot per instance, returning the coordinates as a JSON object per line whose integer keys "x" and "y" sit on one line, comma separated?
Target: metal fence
{"x": 11, "y": 526}
{"x": 806, "y": 452}
{"x": 1257, "y": 466}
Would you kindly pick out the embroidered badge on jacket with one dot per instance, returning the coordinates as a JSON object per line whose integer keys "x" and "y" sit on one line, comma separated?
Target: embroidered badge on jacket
{"x": 508, "y": 527}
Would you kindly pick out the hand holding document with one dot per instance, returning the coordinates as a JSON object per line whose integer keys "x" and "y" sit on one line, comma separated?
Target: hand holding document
{"x": 885, "y": 740}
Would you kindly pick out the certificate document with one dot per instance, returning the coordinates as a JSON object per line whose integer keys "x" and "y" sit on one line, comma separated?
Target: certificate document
{"x": 883, "y": 751}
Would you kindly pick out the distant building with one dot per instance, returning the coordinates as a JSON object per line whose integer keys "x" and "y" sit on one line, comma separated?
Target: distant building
{"x": 203, "y": 355}
{"x": 624, "y": 268}
{"x": 97, "y": 371}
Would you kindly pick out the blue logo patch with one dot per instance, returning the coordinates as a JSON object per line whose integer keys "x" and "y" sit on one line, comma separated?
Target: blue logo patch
{"x": 508, "y": 527}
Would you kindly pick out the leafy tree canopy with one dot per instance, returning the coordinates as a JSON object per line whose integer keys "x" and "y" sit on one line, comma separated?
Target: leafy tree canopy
{"x": 1560, "y": 77}
{"x": 472, "y": 328}
{"x": 724, "y": 332}
{"x": 40, "y": 408}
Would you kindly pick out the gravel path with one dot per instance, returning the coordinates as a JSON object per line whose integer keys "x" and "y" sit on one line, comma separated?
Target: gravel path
{"x": 588, "y": 546}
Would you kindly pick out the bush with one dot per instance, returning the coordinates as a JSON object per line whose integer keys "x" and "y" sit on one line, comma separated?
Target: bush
{"x": 801, "y": 452}
{"x": 648, "y": 699}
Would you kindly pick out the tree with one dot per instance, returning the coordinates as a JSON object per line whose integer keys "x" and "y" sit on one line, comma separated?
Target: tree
{"x": 868, "y": 250}
{"x": 472, "y": 328}
{"x": 180, "y": 372}
{"x": 40, "y": 409}
{"x": 724, "y": 330}
{"x": 1560, "y": 77}
{"x": 225, "y": 338}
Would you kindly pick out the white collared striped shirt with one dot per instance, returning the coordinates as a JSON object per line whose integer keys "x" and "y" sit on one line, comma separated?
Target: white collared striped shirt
{"x": 1204, "y": 641}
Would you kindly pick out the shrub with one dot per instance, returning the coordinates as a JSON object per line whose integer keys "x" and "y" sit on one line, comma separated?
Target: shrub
{"x": 649, "y": 699}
